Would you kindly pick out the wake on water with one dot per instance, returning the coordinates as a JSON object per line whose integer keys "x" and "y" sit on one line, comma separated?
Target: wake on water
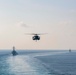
{"x": 37, "y": 63}
{"x": 24, "y": 65}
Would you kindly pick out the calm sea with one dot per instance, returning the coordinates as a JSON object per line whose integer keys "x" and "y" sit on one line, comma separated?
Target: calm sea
{"x": 38, "y": 62}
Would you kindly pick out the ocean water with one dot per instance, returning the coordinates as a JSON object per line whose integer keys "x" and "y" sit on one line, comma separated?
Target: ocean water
{"x": 36, "y": 62}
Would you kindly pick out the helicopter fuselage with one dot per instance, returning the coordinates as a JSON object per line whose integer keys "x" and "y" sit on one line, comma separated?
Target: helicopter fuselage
{"x": 36, "y": 37}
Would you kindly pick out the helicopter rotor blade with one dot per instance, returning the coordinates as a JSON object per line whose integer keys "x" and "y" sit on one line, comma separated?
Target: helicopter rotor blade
{"x": 35, "y": 34}
{"x": 42, "y": 34}
{"x": 30, "y": 34}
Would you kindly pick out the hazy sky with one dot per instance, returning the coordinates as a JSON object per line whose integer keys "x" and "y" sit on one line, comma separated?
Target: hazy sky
{"x": 55, "y": 17}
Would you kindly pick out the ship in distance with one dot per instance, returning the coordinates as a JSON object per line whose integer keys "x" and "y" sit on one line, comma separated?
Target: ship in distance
{"x": 14, "y": 53}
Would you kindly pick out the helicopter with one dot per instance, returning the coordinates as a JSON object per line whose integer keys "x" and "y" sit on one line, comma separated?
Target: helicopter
{"x": 36, "y": 37}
